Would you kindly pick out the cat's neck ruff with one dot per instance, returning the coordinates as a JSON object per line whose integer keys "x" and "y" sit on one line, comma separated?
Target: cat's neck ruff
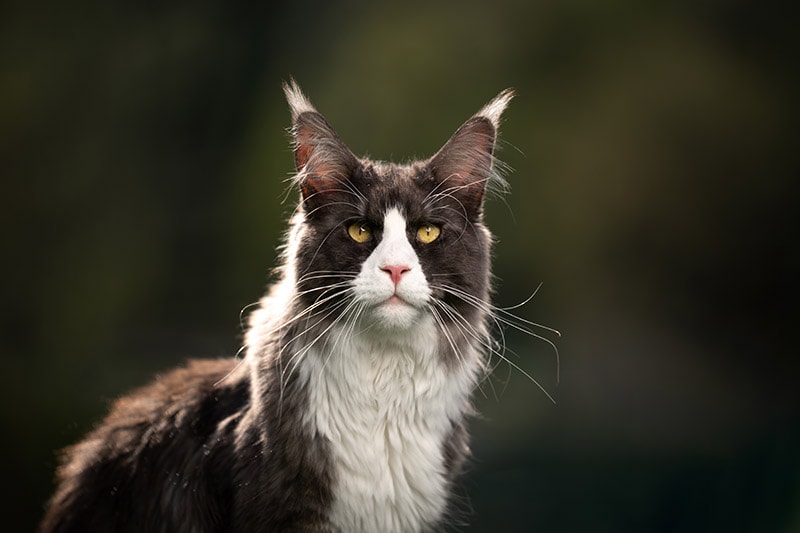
{"x": 386, "y": 402}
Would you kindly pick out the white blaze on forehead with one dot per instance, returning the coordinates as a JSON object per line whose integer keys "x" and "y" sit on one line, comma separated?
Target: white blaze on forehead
{"x": 394, "y": 248}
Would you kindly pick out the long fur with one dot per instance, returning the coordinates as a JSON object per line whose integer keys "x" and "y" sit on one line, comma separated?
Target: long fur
{"x": 348, "y": 411}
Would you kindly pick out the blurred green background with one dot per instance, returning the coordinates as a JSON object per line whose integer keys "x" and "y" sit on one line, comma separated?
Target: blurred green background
{"x": 654, "y": 193}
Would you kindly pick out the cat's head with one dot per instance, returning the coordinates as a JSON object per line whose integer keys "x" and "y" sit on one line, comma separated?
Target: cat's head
{"x": 393, "y": 242}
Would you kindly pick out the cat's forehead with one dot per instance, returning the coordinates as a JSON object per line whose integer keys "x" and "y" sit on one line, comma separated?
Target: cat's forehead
{"x": 389, "y": 172}
{"x": 386, "y": 186}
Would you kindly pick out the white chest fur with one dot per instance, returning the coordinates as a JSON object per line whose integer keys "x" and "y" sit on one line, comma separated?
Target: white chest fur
{"x": 386, "y": 405}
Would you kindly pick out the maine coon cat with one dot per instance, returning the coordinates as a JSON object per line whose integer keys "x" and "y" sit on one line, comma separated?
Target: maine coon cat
{"x": 347, "y": 412}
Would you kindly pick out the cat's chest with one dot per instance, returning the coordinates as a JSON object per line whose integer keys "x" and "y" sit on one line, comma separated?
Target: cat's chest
{"x": 387, "y": 410}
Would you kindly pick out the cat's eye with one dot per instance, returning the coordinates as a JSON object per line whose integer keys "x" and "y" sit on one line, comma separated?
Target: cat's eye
{"x": 359, "y": 232}
{"x": 427, "y": 233}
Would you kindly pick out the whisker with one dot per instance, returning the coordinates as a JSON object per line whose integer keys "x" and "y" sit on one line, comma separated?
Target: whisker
{"x": 448, "y": 336}
{"x": 321, "y": 274}
{"x": 308, "y": 311}
{"x": 505, "y": 311}
{"x": 445, "y": 331}
{"x": 239, "y": 362}
{"x": 502, "y": 316}
{"x": 354, "y": 310}
{"x": 492, "y": 346}
{"x": 322, "y": 243}
{"x": 245, "y": 308}
{"x": 329, "y": 204}
{"x": 298, "y": 356}
{"x": 470, "y": 329}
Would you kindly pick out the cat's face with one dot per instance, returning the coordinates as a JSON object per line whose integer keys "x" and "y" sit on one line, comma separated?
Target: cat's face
{"x": 392, "y": 243}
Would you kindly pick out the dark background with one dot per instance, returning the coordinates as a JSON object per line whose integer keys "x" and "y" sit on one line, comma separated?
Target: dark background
{"x": 654, "y": 193}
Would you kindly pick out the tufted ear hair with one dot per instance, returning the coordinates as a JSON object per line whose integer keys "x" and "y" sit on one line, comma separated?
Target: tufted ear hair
{"x": 465, "y": 164}
{"x": 322, "y": 160}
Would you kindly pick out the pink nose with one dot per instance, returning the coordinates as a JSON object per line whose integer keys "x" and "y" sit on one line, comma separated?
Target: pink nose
{"x": 395, "y": 271}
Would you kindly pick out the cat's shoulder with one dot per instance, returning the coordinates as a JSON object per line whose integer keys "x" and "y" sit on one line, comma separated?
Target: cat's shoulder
{"x": 187, "y": 403}
{"x": 172, "y": 395}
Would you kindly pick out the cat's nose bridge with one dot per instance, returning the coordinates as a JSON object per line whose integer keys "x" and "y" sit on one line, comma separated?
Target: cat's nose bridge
{"x": 394, "y": 254}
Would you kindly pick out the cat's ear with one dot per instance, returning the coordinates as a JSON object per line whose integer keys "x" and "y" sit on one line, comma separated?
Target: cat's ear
{"x": 321, "y": 158}
{"x": 465, "y": 164}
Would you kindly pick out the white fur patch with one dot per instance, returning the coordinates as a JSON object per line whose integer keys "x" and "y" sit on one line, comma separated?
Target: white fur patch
{"x": 386, "y": 403}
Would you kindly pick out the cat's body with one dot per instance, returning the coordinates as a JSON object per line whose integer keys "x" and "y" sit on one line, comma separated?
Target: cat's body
{"x": 348, "y": 411}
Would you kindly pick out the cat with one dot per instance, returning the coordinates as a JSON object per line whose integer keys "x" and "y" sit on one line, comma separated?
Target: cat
{"x": 348, "y": 411}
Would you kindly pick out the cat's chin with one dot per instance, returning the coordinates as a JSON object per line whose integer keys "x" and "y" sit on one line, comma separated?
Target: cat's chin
{"x": 395, "y": 313}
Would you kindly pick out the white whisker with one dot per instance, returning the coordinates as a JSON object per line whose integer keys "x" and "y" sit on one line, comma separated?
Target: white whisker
{"x": 501, "y": 317}
{"x": 354, "y": 309}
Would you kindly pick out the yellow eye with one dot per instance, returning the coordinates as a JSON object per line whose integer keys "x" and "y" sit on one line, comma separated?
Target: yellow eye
{"x": 427, "y": 233}
{"x": 359, "y": 232}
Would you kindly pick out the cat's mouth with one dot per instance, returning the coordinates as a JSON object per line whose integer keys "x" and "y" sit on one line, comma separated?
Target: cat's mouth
{"x": 403, "y": 299}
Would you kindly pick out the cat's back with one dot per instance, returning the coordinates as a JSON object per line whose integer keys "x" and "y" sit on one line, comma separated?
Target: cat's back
{"x": 161, "y": 459}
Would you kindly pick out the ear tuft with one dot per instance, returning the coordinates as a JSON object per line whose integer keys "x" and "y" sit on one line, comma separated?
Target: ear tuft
{"x": 494, "y": 109}
{"x": 321, "y": 158}
{"x": 298, "y": 103}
